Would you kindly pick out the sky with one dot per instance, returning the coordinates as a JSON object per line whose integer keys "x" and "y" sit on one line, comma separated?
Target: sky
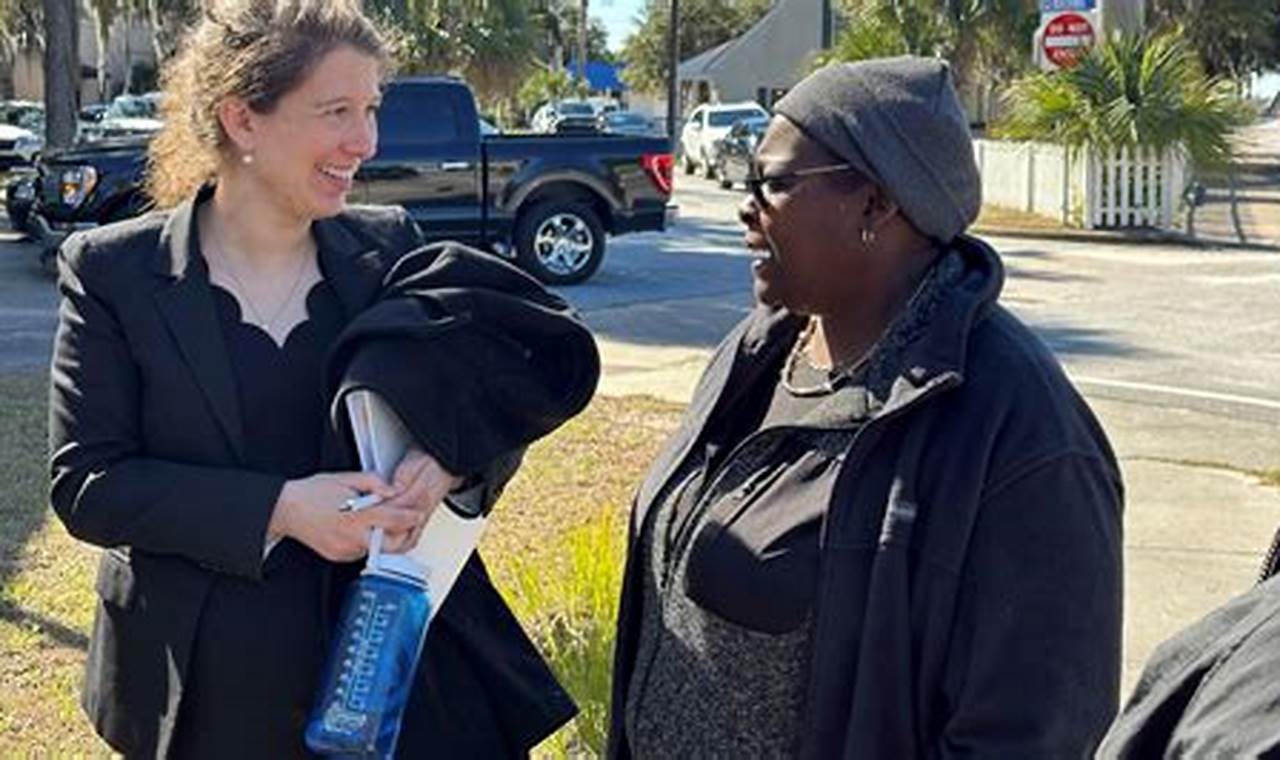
{"x": 618, "y": 17}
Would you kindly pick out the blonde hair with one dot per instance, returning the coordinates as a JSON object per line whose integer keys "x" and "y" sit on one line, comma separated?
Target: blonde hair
{"x": 258, "y": 50}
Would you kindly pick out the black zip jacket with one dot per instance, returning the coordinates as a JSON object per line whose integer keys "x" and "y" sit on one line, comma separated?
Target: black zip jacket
{"x": 969, "y": 590}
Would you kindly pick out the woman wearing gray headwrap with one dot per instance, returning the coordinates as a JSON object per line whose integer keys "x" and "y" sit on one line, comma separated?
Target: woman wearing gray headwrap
{"x": 888, "y": 527}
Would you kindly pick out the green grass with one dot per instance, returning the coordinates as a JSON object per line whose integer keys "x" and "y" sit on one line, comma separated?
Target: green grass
{"x": 555, "y": 548}
{"x": 558, "y": 543}
{"x": 46, "y": 592}
{"x": 568, "y": 601}
{"x": 1270, "y": 477}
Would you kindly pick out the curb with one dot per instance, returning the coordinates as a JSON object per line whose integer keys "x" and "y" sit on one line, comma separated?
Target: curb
{"x": 1136, "y": 237}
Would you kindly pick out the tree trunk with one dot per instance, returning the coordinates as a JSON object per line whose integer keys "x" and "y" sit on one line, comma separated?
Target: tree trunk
{"x": 157, "y": 29}
{"x": 128, "y": 50}
{"x": 103, "y": 38}
{"x": 582, "y": 43}
{"x": 61, "y": 72}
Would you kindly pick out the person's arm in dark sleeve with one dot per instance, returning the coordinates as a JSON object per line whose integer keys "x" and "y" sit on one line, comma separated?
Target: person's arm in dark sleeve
{"x": 478, "y": 493}
{"x": 103, "y": 487}
{"x": 1034, "y": 663}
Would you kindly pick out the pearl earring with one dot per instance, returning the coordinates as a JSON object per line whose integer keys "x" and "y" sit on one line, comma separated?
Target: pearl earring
{"x": 246, "y": 159}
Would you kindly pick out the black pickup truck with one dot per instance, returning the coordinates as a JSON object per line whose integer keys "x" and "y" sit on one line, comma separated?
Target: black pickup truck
{"x": 547, "y": 201}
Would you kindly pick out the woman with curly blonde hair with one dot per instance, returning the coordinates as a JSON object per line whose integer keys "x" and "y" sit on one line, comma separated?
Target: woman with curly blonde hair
{"x": 189, "y": 412}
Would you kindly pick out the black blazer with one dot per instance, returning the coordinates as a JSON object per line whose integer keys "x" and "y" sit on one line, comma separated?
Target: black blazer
{"x": 143, "y": 406}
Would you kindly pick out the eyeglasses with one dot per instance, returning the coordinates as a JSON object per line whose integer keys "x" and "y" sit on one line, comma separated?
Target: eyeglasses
{"x": 762, "y": 187}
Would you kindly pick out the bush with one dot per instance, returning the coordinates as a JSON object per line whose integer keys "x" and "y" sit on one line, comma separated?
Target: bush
{"x": 1133, "y": 91}
{"x": 568, "y": 600}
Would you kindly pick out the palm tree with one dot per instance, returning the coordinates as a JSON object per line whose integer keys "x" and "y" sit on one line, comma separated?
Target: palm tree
{"x": 105, "y": 13}
{"x": 981, "y": 39}
{"x": 21, "y": 29}
{"x": 1134, "y": 91}
{"x": 61, "y": 72}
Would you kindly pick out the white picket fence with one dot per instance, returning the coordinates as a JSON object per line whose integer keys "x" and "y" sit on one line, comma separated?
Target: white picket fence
{"x": 1123, "y": 188}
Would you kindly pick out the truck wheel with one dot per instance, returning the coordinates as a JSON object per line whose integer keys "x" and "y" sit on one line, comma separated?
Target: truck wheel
{"x": 560, "y": 242}
{"x": 686, "y": 163}
{"x": 725, "y": 182}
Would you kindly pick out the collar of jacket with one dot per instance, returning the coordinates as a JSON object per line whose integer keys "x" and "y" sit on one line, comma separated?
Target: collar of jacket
{"x": 933, "y": 357}
{"x": 349, "y": 264}
{"x": 352, "y": 267}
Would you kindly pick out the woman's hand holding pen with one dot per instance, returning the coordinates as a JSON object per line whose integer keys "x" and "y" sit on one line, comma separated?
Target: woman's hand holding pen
{"x": 311, "y": 511}
{"x": 420, "y": 484}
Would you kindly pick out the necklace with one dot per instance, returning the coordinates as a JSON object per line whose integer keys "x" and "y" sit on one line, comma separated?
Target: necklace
{"x": 840, "y": 373}
{"x": 258, "y": 316}
{"x": 835, "y": 376}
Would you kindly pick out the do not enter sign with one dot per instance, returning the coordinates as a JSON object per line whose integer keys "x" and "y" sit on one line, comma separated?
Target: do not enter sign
{"x": 1067, "y": 37}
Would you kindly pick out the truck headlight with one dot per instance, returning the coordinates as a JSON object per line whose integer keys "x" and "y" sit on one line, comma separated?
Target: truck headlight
{"x": 77, "y": 183}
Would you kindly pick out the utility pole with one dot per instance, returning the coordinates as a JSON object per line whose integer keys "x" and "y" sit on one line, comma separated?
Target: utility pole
{"x": 61, "y": 72}
{"x": 673, "y": 74}
{"x": 826, "y": 24}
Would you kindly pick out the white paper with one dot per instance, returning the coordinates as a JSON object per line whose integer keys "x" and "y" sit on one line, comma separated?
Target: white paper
{"x": 447, "y": 539}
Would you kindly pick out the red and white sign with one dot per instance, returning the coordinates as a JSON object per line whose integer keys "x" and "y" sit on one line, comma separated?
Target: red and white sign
{"x": 1067, "y": 38}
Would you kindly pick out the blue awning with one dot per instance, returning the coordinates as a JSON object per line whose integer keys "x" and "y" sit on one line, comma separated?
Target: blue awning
{"x": 601, "y": 75}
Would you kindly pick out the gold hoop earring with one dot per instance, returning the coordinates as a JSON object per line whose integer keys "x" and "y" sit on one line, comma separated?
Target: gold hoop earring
{"x": 868, "y": 237}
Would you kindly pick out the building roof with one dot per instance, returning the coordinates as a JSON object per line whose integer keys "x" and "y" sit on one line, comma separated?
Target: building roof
{"x": 601, "y": 75}
{"x": 702, "y": 64}
{"x": 705, "y": 64}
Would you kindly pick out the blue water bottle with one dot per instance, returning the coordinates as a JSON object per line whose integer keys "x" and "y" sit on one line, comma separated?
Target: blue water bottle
{"x": 372, "y": 661}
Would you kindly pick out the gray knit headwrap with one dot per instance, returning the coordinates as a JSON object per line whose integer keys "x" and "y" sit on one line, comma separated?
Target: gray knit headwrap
{"x": 900, "y": 122}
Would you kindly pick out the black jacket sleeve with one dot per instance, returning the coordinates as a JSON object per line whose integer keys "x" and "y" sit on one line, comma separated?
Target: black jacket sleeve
{"x": 103, "y": 486}
{"x": 1034, "y": 664}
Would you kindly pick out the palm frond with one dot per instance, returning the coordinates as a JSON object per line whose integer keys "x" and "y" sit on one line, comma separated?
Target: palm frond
{"x": 1132, "y": 91}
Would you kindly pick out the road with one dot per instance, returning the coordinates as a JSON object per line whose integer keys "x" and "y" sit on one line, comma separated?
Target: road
{"x": 1159, "y": 324}
{"x": 1165, "y": 325}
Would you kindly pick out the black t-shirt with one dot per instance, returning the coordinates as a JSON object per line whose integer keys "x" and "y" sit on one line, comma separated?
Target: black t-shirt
{"x": 278, "y": 620}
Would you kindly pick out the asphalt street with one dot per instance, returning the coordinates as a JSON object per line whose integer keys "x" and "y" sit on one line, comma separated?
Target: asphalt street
{"x": 1160, "y": 324}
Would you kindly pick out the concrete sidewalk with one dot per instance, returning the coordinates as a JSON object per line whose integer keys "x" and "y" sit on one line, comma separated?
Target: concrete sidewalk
{"x": 1196, "y": 522}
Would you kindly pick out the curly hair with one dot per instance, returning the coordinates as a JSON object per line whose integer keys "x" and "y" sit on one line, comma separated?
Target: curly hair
{"x": 258, "y": 50}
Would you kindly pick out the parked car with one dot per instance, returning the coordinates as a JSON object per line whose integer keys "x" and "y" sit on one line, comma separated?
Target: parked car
{"x": 93, "y": 113}
{"x": 626, "y": 123}
{"x": 21, "y": 133}
{"x": 734, "y": 154}
{"x": 565, "y": 116}
{"x": 546, "y": 202}
{"x": 603, "y": 105}
{"x": 707, "y": 124}
{"x": 19, "y": 194}
{"x": 128, "y": 115}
